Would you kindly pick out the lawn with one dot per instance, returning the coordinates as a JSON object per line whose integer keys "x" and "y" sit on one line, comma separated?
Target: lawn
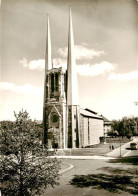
{"x": 114, "y": 181}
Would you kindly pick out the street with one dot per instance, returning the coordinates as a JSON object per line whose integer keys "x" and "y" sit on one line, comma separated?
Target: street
{"x": 79, "y": 166}
{"x": 124, "y": 151}
{"x": 83, "y": 167}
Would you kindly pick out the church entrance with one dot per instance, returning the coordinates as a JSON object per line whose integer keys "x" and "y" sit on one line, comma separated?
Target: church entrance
{"x": 55, "y": 145}
{"x": 53, "y": 138}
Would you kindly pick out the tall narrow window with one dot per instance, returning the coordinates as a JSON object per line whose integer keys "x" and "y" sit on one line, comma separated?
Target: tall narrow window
{"x": 56, "y": 81}
{"x": 46, "y": 91}
{"x": 52, "y": 82}
{"x": 65, "y": 82}
{"x": 46, "y": 78}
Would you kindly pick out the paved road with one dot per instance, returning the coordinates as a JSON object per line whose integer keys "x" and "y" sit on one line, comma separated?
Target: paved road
{"x": 89, "y": 165}
{"x": 123, "y": 151}
{"x": 83, "y": 167}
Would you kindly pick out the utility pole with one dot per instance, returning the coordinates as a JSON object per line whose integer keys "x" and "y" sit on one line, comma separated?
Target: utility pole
{"x": 120, "y": 147}
{"x": 136, "y": 103}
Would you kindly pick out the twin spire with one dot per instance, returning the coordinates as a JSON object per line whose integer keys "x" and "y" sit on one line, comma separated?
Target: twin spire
{"x": 48, "y": 60}
{"x": 72, "y": 89}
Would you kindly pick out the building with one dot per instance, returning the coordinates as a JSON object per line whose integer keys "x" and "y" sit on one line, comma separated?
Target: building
{"x": 66, "y": 125}
{"x": 107, "y": 126}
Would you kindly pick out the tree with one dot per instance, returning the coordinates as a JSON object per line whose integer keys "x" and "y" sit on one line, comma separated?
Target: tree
{"x": 121, "y": 129}
{"x": 25, "y": 168}
{"x": 126, "y": 126}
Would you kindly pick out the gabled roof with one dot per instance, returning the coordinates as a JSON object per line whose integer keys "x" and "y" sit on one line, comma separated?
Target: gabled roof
{"x": 54, "y": 110}
{"x": 91, "y": 111}
{"x": 105, "y": 119}
{"x": 88, "y": 114}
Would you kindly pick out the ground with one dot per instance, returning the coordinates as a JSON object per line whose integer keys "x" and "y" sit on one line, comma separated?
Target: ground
{"x": 84, "y": 167}
{"x": 94, "y": 167}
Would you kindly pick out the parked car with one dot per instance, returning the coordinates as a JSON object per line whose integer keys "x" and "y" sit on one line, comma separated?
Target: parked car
{"x": 133, "y": 146}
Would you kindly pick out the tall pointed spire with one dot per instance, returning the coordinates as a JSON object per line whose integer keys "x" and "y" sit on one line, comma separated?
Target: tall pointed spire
{"x": 48, "y": 58}
{"x": 72, "y": 87}
{"x": 48, "y": 66}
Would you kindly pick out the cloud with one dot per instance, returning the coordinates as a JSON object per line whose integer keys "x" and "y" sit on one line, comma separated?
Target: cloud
{"x": 58, "y": 62}
{"x": 26, "y": 89}
{"x": 6, "y": 86}
{"x": 96, "y": 69}
{"x": 34, "y": 64}
{"x": 124, "y": 77}
{"x": 40, "y": 64}
{"x": 85, "y": 69}
{"x": 81, "y": 52}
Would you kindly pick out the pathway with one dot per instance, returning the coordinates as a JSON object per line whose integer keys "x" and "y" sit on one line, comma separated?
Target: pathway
{"x": 123, "y": 151}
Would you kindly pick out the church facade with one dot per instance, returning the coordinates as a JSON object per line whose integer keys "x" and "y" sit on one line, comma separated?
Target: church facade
{"x": 66, "y": 125}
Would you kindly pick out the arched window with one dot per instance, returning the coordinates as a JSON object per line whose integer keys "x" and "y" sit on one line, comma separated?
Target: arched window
{"x": 56, "y": 76}
{"x": 52, "y": 82}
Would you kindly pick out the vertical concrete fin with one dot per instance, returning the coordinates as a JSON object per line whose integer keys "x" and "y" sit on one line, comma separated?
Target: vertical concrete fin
{"x": 48, "y": 61}
{"x": 48, "y": 58}
{"x": 72, "y": 86}
{"x": 48, "y": 66}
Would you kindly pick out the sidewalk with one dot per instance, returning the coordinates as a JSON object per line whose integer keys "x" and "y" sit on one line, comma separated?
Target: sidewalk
{"x": 117, "y": 152}
{"x": 122, "y": 152}
{"x": 82, "y": 157}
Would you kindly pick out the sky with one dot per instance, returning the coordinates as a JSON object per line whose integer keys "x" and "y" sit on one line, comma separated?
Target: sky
{"x": 105, "y": 37}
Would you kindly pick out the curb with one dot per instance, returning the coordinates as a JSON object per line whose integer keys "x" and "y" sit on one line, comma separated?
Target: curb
{"x": 67, "y": 169}
{"x": 83, "y": 157}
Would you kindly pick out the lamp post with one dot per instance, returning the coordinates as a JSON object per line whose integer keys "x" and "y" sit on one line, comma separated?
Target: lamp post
{"x": 136, "y": 103}
{"x": 120, "y": 147}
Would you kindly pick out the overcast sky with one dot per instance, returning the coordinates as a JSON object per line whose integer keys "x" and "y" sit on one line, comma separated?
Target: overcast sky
{"x": 105, "y": 50}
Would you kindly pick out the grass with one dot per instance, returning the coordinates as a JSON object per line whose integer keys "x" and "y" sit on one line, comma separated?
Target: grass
{"x": 116, "y": 180}
{"x": 98, "y": 149}
{"x": 126, "y": 160}
{"x": 117, "y": 140}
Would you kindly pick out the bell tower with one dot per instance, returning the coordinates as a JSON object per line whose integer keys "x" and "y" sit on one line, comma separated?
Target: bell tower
{"x": 60, "y": 107}
{"x": 55, "y": 107}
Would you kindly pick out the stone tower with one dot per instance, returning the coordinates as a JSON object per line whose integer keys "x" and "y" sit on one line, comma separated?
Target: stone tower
{"x": 60, "y": 108}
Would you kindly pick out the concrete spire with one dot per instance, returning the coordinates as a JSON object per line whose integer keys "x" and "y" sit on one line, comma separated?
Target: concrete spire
{"x": 72, "y": 87}
{"x": 48, "y": 66}
{"x": 48, "y": 58}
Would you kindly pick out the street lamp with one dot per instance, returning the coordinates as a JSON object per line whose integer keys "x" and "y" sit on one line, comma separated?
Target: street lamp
{"x": 120, "y": 147}
{"x": 136, "y": 103}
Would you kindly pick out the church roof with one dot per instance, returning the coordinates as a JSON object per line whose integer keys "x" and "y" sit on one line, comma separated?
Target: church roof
{"x": 91, "y": 111}
{"x": 88, "y": 114}
{"x": 105, "y": 119}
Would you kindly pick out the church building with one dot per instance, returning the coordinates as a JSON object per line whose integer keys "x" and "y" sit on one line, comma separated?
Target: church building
{"x": 66, "y": 125}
